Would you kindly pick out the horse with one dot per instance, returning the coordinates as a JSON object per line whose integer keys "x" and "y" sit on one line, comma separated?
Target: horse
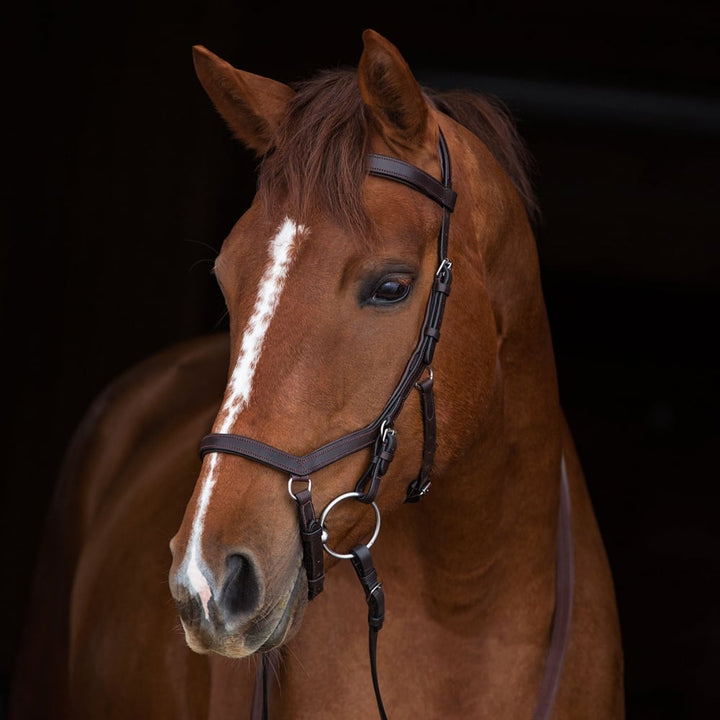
{"x": 387, "y": 394}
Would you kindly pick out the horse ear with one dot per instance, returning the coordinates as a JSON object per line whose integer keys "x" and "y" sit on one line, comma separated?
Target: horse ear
{"x": 391, "y": 93}
{"x": 250, "y": 104}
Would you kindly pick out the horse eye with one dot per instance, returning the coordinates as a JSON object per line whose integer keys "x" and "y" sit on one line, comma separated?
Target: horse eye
{"x": 391, "y": 290}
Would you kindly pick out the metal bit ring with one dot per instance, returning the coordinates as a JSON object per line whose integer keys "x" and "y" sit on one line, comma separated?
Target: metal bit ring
{"x": 326, "y": 511}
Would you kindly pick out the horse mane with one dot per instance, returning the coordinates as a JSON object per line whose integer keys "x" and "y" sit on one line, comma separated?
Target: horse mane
{"x": 316, "y": 161}
{"x": 489, "y": 118}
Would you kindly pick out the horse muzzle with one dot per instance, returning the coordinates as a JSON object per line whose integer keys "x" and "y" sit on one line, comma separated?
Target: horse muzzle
{"x": 240, "y": 615}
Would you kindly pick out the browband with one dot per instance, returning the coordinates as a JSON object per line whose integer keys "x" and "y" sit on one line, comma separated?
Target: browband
{"x": 394, "y": 169}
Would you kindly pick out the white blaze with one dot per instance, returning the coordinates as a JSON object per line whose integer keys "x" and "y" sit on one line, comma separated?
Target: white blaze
{"x": 271, "y": 285}
{"x": 237, "y": 394}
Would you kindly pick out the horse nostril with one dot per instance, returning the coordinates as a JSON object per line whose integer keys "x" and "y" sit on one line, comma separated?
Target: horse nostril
{"x": 241, "y": 592}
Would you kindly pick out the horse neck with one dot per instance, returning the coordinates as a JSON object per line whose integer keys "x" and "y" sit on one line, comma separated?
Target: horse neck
{"x": 488, "y": 525}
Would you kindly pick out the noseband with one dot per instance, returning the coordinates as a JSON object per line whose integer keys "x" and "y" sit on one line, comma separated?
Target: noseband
{"x": 381, "y": 434}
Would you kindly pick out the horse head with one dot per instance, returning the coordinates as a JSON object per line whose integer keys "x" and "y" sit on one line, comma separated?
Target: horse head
{"x": 326, "y": 278}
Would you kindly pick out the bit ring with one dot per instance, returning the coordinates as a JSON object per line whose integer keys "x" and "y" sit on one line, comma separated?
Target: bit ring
{"x": 326, "y": 511}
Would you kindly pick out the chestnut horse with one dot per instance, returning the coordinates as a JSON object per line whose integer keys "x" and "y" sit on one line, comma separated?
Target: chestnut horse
{"x": 343, "y": 402}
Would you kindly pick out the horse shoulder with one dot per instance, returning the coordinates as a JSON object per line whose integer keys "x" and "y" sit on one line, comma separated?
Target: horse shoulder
{"x": 123, "y": 486}
{"x": 163, "y": 393}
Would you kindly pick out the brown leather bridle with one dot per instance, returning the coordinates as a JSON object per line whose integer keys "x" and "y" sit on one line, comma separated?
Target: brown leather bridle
{"x": 381, "y": 434}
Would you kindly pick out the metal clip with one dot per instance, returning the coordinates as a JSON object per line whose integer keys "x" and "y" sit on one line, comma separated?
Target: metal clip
{"x": 431, "y": 377}
{"x": 386, "y": 430}
{"x": 445, "y": 265}
{"x": 294, "y": 479}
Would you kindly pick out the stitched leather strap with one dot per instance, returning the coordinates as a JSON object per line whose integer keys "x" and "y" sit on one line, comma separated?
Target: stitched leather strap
{"x": 281, "y": 460}
{"x": 421, "y": 484}
{"x": 311, "y": 539}
{"x": 375, "y": 597}
{"x": 394, "y": 169}
{"x": 369, "y": 484}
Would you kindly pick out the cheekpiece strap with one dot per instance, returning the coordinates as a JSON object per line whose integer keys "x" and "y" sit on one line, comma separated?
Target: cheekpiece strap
{"x": 311, "y": 538}
{"x": 421, "y": 484}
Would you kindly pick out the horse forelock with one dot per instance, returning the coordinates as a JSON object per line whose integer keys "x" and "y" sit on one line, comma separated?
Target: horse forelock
{"x": 317, "y": 160}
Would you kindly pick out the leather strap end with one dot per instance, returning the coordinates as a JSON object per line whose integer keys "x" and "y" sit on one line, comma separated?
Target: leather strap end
{"x": 311, "y": 539}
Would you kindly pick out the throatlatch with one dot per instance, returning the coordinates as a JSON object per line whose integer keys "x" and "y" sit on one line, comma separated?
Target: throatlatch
{"x": 380, "y": 433}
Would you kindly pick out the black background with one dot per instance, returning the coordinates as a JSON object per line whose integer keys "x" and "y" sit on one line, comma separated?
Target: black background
{"x": 120, "y": 183}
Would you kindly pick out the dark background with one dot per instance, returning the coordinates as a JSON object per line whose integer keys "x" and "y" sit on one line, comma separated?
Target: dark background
{"x": 120, "y": 183}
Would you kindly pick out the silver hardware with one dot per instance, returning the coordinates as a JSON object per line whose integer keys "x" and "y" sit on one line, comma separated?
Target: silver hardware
{"x": 325, "y": 535}
{"x": 444, "y": 265}
{"x": 297, "y": 479}
{"x": 431, "y": 375}
{"x": 376, "y": 587}
{"x": 386, "y": 430}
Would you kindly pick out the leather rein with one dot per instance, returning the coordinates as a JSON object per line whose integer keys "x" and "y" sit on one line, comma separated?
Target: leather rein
{"x": 381, "y": 435}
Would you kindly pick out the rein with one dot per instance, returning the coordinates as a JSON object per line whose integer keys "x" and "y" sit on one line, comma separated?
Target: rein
{"x": 383, "y": 437}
